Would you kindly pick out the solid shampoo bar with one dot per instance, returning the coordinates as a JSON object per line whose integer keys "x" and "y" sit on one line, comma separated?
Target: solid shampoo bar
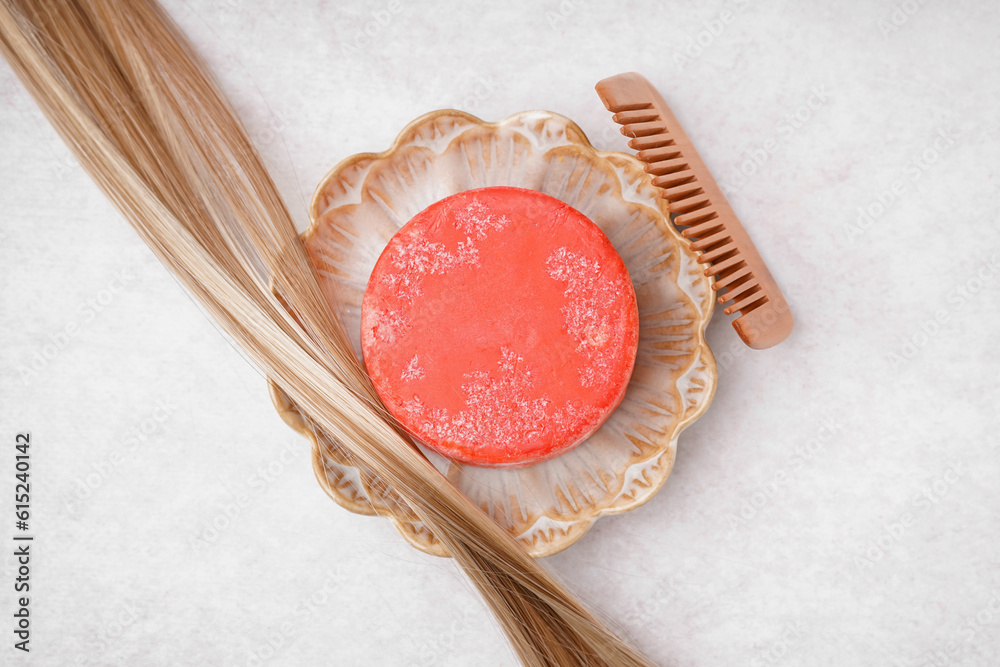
{"x": 500, "y": 327}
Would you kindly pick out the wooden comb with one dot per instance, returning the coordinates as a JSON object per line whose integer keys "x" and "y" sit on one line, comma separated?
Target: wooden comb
{"x": 699, "y": 209}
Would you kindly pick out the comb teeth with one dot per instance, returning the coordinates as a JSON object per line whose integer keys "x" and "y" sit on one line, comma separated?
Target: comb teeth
{"x": 643, "y": 143}
{"x": 699, "y": 208}
{"x": 653, "y": 126}
{"x": 654, "y": 154}
{"x": 667, "y": 167}
{"x": 635, "y": 116}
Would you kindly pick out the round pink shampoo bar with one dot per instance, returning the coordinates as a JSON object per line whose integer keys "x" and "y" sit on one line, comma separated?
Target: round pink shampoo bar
{"x": 500, "y": 327}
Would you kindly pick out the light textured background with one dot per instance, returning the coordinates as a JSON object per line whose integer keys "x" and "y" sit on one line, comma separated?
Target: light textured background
{"x": 811, "y": 518}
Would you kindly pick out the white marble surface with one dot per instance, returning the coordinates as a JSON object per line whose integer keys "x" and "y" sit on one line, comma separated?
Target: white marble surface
{"x": 837, "y": 505}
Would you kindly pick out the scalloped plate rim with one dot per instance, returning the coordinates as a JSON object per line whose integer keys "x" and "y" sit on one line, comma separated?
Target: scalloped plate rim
{"x": 585, "y": 522}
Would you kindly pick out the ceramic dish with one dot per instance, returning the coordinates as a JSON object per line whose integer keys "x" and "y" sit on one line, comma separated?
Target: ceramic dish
{"x": 366, "y": 198}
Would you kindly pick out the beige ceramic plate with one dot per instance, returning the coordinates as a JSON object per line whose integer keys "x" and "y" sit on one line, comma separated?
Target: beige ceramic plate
{"x": 365, "y": 199}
